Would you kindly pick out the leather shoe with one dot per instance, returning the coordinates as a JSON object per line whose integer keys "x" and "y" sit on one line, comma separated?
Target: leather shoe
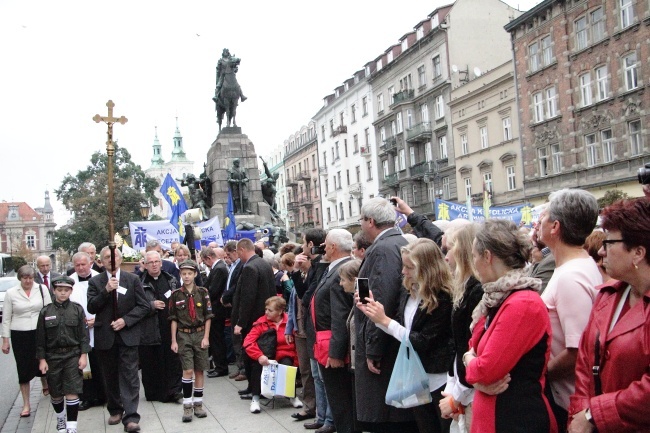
{"x": 115, "y": 419}
{"x": 240, "y": 377}
{"x": 233, "y": 375}
{"x": 217, "y": 373}
{"x": 246, "y": 396}
{"x": 326, "y": 429}
{"x": 132, "y": 427}
{"x": 244, "y": 391}
{"x": 85, "y": 405}
{"x": 300, "y": 417}
{"x": 313, "y": 425}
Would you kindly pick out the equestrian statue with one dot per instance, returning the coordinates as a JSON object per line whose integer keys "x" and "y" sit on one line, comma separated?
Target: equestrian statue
{"x": 228, "y": 92}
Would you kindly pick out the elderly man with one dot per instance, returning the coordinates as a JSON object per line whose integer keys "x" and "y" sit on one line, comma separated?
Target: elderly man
{"x": 564, "y": 225}
{"x": 331, "y": 307}
{"x": 376, "y": 351}
{"x": 119, "y": 304}
{"x": 45, "y": 275}
{"x": 167, "y": 266}
{"x": 161, "y": 368}
{"x": 233, "y": 342}
{"x": 216, "y": 285}
{"x": 93, "y": 390}
{"x": 255, "y": 285}
{"x": 88, "y": 248}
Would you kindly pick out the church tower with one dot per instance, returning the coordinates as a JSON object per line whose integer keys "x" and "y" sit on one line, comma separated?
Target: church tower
{"x": 178, "y": 154}
{"x": 157, "y": 160}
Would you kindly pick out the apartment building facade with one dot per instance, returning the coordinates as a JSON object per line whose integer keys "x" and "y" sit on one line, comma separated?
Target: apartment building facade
{"x": 582, "y": 72}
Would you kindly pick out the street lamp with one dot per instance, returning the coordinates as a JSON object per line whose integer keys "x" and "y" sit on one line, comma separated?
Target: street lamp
{"x": 144, "y": 211}
{"x": 125, "y": 230}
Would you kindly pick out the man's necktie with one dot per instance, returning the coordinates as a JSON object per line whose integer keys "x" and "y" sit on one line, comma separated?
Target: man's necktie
{"x": 47, "y": 283}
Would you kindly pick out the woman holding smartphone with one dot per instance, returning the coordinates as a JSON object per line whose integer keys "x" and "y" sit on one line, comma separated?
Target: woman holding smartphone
{"x": 424, "y": 315}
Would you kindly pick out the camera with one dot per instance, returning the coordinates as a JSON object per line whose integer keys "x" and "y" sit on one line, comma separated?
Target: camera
{"x": 320, "y": 249}
{"x": 644, "y": 174}
{"x": 394, "y": 202}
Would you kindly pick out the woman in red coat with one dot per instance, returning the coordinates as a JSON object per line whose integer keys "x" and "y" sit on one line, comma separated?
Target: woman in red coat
{"x": 612, "y": 379}
{"x": 285, "y": 353}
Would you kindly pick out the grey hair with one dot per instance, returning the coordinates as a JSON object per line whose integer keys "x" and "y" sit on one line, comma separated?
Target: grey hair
{"x": 380, "y": 210}
{"x": 341, "y": 238}
{"x": 84, "y": 245}
{"x": 151, "y": 252}
{"x": 80, "y": 255}
{"x": 577, "y": 212}
{"x": 118, "y": 253}
{"x": 207, "y": 252}
{"x": 153, "y": 243}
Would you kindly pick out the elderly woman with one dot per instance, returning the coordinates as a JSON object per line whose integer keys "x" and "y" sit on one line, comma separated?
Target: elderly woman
{"x": 612, "y": 379}
{"x": 22, "y": 304}
{"x": 511, "y": 338}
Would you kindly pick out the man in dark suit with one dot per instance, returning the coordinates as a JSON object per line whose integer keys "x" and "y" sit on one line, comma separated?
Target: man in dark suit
{"x": 119, "y": 303}
{"x": 216, "y": 284}
{"x": 376, "y": 351}
{"x": 331, "y": 307}
{"x": 45, "y": 275}
{"x": 233, "y": 342}
{"x": 255, "y": 285}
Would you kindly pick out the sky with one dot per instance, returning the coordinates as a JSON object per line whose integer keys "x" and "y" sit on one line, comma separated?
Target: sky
{"x": 62, "y": 61}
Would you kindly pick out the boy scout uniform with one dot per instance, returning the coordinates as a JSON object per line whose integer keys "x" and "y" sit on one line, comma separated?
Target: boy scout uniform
{"x": 190, "y": 311}
{"x": 61, "y": 338}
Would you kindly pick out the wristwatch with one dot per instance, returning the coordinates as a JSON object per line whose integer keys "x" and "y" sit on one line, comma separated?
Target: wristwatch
{"x": 589, "y": 417}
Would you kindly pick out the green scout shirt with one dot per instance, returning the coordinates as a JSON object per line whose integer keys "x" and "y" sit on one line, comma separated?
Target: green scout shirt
{"x": 61, "y": 326}
{"x": 179, "y": 307}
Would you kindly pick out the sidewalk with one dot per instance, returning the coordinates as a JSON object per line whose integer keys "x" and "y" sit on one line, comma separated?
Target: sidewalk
{"x": 227, "y": 413}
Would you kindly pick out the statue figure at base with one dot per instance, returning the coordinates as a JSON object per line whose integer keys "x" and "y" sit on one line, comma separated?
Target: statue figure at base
{"x": 268, "y": 189}
{"x": 238, "y": 180}
{"x": 227, "y": 92}
{"x": 197, "y": 195}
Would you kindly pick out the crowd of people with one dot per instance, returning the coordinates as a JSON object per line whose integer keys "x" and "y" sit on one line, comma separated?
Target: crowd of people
{"x": 518, "y": 330}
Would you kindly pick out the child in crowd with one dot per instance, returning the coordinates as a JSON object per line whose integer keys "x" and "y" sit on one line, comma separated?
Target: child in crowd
{"x": 61, "y": 348}
{"x": 190, "y": 313}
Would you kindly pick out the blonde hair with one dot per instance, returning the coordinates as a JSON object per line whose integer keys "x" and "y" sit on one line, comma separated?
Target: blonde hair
{"x": 462, "y": 240}
{"x": 350, "y": 269}
{"x": 277, "y": 303}
{"x": 432, "y": 274}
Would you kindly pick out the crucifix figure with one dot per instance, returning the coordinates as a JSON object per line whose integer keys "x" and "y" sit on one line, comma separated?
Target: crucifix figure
{"x": 110, "y": 151}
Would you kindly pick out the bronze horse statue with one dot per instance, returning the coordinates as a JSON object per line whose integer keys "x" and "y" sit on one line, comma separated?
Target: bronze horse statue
{"x": 227, "y": 95}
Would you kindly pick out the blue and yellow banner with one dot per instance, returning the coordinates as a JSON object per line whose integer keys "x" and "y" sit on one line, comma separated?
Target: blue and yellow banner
{"x": 172, "y": 193}
{"x": 230, "y": 225}
{"x": 448, "y": 210}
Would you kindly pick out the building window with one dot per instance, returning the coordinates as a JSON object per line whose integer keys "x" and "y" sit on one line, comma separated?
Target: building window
{"x": 585, "y": 89}
{"x": 402, "y": 159}
{"x": 419, "y": 33}
{"x": 634, "y": 132}
{"x": 464, "y": 147}
{"x": 627, "y": 13}
{"x": 446, "y": 195}
{"x": 483, "y": 133}
{"x": 380, "y": 103}
{"x": 602, "y": 83}
{"x": 339, "y": 184}
{"x": 353, "y": 113}
{"x": 533, "y": 56}
{"x": 442, "y": 146}
{"x": 384, "y": 166}
{"x": 440, "y": 107}
{"x": 581, "y": 33}
{"x": 540, "y": 53}
{"x": 322, "y": 133}
{"x": 631, "y": 77}
{"x": 427, "y": 151}
{"x": 349, "y": 208}
{"x": 431, "y": 191}
{"x": 542, "y": 157}
{"x": 597, "y": 25}
{"x": 487, "y": 182}
{"x": 338, "y": 154}
{"x": 393, "y": 128}
{"x": 400, "y": 126}
{"x": 415, "y": 195}
{"x": 424, "y": 113}
{"x": 437, "y": 69}
{"x": 409, "y": 119}
{"x": 405, "y": 83}
{"x": 341, "y": 214}
{"x": 422, "y": 76}
{"x": 551, "y": 102}
{"x": 345, "y": 147}
{"x": 511, "y": 178}
{"x": 538, "y": 106}
{"x": 591, "y": 147}
{"x": 369, "y": 170}
{"x": 507, "y": 129}
{"x": 608, "y": 145}
{"x": 355, "y": 143}
{"x": 364, "y": 105}
{"x": 391, "y": 95}
{"x": 468, "y": 187}
{"x": 412, "y": 155}
{"x": 557, "y": 158}
{"x": 48, "y": 240}
{"x": 347, "y": 177}
{"x": 324, "y": 161}
{"x": 357, "y": 170}
{"x": 547, "y": 51}
{"x": 382, "y": 134}
{"x": 30, "y": 240}
{"x": 329, "y": 214}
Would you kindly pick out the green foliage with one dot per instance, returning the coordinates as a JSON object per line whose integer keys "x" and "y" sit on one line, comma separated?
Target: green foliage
{"x": 86, "y": 196}
{"x": 17, "y": 262}
{"x": 610, "y": 197}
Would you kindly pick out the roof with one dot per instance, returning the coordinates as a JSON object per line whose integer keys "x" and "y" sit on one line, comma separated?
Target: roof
{"x": 25, "y": 212}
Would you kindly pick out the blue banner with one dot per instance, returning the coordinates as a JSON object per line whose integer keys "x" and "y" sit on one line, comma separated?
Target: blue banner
{"x": 448, "y": 210}
{"x": 166, "y": 233}
{"x": 230, "y": 226}
{"x": 172, "y": 193}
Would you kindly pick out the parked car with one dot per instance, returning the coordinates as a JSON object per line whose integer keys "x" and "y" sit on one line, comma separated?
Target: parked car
{"x": 5, "y": 284}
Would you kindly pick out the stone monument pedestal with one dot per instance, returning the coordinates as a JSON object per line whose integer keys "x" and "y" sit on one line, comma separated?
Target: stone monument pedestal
{"x": 231, "y": 144}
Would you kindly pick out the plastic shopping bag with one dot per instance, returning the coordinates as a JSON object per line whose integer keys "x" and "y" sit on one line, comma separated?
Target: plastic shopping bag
{"x": 409, "y": 383}
{"x": 278, "y": 379}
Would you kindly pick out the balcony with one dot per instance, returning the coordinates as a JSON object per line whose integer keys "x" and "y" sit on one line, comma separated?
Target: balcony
{"x": 342, "y": 129}
{"x": 331, "y": 196}
{"x": 307, "y": 225}
{"x": 292, "y": 182}
{"x": 391, "y": 180}
{"x": 306, "y": 202}
{"x": 390, "y": 144}
{"x": 322, "y": 170}
{"x": 403, "y": 96}
{"x": 366, "y": 151}
{"x": 356, "y": 189}
{"x": 422, "y": 168}
{"x": 420, "y": 133}
{"x": 304, "y": 176}
{"x": 292, "y": 204}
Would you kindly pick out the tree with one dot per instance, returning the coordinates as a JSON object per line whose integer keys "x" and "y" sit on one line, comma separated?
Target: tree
{"x": 86, "y": 196}
{"x": 611, "y": 196}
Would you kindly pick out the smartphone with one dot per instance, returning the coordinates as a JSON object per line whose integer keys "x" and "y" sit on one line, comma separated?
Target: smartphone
{"x": 392, "y": 200}
{"x": 363, "y": 287}
{"x": 320, "y": 249}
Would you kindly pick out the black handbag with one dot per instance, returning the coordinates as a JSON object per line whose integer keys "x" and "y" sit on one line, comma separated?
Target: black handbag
{"x": 268, "y": 342}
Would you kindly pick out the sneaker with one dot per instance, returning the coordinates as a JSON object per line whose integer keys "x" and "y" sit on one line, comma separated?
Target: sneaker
{"x": 255, "y": 406}
{"x": 72, "y": 430}
{"x": 198, "y": 410}
{"x": 60, "y": 425}
{"x": 187, "y": 413}
{"x": 295, "y": 402}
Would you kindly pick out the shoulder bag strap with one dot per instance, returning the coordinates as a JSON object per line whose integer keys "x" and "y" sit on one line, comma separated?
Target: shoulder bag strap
{"x": 40, "y": 289}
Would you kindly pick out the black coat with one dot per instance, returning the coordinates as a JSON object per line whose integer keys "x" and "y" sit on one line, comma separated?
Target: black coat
{"x": 424, "y": 228}
{"x": 216, "y": 285}
{"x": 229, "y": 292}
{"x": 151, "y": 326}
{"x": 461, "y": 318}
{"x": 132, "y": 306}
{"x": 256, "y": 284}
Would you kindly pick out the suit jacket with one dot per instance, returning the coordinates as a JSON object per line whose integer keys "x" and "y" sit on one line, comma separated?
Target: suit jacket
{"x": 216, "y": 285}
{"x": 132, "y": 306}
{"x": 39, "y": 280}
{"x": 229, "y": 292}
{"x": 543, "y": 270}
{"x": 332, "y": 307}
{"x": 255, "y": 285}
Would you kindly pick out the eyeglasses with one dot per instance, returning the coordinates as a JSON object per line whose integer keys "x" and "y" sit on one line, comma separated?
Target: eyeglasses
{"x": 611, "y": 241}
{"x": 364, "y": 219}
{"x": 154, "y": 262}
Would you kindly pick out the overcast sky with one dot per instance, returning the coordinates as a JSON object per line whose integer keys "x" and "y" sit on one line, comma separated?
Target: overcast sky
{"x": 61, "y": 61}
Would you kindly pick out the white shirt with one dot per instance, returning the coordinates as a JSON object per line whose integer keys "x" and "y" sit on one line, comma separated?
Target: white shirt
{"x": 80, "y": 296}
{"x": 20, "y": 312}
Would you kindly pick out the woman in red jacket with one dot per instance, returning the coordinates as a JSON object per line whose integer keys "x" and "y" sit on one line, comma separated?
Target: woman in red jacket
{"x": 285, "y": 353}
{"x": 612, "y": 379}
